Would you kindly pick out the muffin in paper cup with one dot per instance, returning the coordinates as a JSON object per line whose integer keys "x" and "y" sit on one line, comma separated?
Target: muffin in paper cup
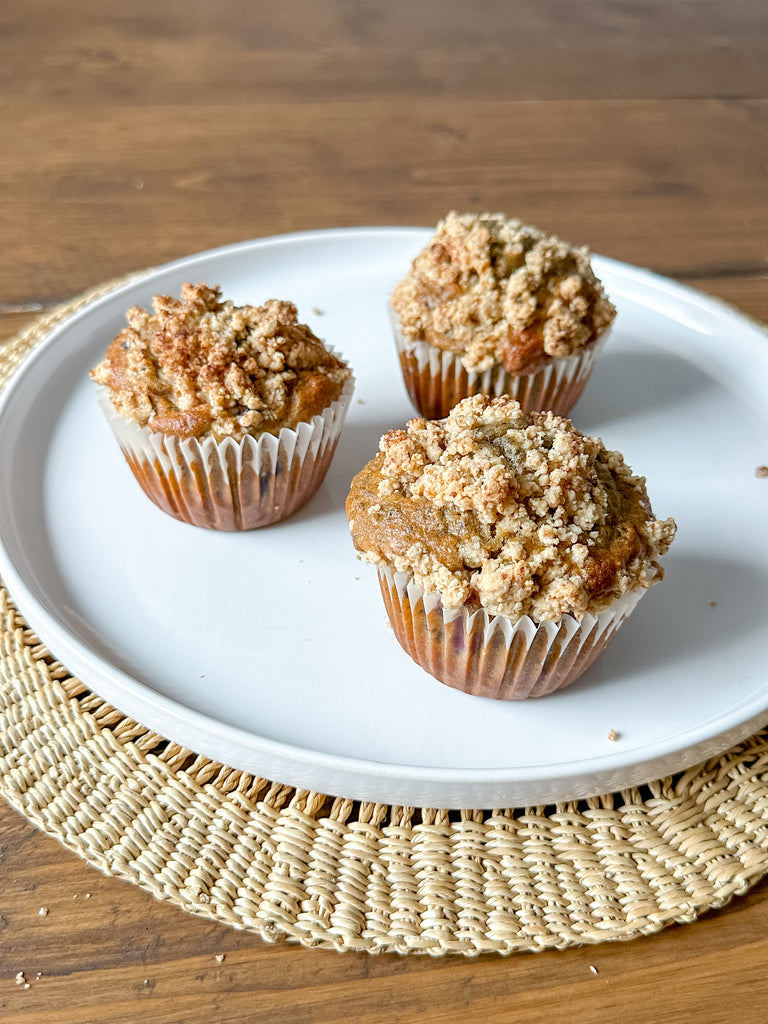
{"x": 510, "y": 547}
{"x": 492, "y": 655}
{"x": 491, "y": 306}
{"x": 228, "y": 416}
{"x": 437, "y": 379}
{"x": 228, "y": 484}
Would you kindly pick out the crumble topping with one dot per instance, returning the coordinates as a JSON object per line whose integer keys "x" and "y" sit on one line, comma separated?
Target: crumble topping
{"x": 518, "y": 513}
{"x": 497, "y": 291}
{"x": 201, "y": 366}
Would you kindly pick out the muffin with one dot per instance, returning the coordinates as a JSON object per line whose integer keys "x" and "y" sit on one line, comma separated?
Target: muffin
{"x": 510, "y": 547}
{"x": 228, "y": 415}
{"x": 491, "y": 306}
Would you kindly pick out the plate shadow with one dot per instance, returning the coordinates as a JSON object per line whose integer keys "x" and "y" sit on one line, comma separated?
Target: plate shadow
{"x": 625, "y": 384}
{"x": 705, "y": 606}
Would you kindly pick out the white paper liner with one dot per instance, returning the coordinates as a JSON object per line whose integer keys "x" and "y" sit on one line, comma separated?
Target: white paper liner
{"x": 437, "y": 380}
{"x": 492, "y": 655}
{"x": 232, "y": 485}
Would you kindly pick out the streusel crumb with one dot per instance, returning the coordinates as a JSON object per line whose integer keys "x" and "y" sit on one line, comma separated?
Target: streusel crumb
{"x": 496, "y": 291}
{"x": 200, "y": 366}
{"x": 518, "y": 513}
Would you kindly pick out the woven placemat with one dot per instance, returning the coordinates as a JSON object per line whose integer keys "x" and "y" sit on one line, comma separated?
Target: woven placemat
{"x": 327, "y": 871}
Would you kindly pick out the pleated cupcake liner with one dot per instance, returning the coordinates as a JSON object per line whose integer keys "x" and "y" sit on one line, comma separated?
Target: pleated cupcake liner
{"x": 437, "y": 380}
{"x": 492, "y": 655}
{"x": 229, "y": 484}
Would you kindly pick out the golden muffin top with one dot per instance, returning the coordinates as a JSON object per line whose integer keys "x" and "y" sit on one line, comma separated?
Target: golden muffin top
{"x": 199, "y": 366}
{"x": 496, "y": 291}
{"x": 518, "y": 513}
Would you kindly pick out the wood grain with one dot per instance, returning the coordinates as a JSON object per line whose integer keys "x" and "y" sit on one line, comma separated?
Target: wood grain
{"x": 107, "y": 951}
{"x": 134, "y": 135}
{"x": 141, "y": 139}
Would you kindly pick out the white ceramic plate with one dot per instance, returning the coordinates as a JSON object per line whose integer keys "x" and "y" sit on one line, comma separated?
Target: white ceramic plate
{"x": 270, "y": 650}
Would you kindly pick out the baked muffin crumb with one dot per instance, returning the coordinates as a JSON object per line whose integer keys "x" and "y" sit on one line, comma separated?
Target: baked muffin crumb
{"x": 199, "y": 366}
{"x": 496, "y": 291}
{"x": 517, "y": 513}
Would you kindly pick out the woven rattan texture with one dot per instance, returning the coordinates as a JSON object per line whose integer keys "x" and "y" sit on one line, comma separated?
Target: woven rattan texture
{"x": 325, "y": 871}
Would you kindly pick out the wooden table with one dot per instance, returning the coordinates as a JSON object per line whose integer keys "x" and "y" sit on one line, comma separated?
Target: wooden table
{"x": 134, "y": 134}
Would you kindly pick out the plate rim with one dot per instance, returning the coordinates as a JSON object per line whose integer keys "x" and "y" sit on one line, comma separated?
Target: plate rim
{"x": 289, "y": 753}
